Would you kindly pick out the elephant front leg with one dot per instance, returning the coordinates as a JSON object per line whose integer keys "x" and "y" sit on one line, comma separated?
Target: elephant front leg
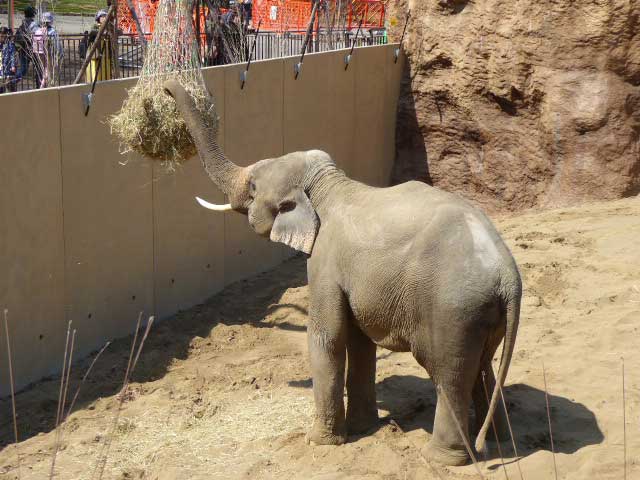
{"x": 362, "y": 412}
{"x": 327, "y": 351}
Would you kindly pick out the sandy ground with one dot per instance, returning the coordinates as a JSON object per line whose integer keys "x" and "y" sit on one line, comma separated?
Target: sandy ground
{"x": 223, "y": 390}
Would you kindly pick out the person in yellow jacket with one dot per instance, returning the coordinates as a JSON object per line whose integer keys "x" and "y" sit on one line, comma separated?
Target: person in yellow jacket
{"x": 105, "y": 72}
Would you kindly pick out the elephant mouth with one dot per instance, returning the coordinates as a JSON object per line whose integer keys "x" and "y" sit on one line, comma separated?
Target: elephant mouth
{"x": 260, "y": 228}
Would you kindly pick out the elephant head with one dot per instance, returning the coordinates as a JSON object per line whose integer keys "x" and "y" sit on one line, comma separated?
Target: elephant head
{"x": 270, "y": 192}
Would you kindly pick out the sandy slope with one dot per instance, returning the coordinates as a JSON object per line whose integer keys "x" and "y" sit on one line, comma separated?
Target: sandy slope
{"x": 223, "y": 390}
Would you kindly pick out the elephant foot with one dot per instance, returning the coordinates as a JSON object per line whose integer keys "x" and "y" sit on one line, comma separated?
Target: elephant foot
{"x": 319, "y": 435}
{"x": 361, "y": 422}
{"x": 445, "y": 456}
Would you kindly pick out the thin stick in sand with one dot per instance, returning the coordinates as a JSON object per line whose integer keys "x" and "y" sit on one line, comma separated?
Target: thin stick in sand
{"x": 495, "y": 430}
{"x": 546, "y": 398}
{"x": 68, "y": 374}
{"x": 102, "y": 460}
{"x": 513, "y": 438}
{"x": 64, "y": 368}
{"x": 144, "y": 337}
{"x": 73, "y": 402}
{"x": 624, "y": 423}
{"x": 12, "y": 386}
{"x": 102, "y": 454}
{"x": 59, "y": 428}
{"x": 75, "y": 396}
{"x": 460, "y": 431}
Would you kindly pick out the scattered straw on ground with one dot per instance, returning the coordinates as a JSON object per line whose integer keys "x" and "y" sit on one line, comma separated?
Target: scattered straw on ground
{"x": 208, "y": 435}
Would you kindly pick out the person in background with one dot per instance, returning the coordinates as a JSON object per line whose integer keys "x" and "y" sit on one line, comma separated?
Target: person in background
{"x": 23, "y": 39}
{"x": 48, "y": 50}
{"x": 246, "y": 14}
{"x": 100, "y": 18}
{"x": 229, "y": 16}
{"x": 104, "y": 48}
{"x": 217, "y": 48}
{"x": 8, "y": 64}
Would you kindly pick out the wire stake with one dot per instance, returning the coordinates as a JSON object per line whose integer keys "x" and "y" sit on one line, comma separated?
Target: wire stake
{"x": 465, "y": 440}
{"x": 406, "y": 22}
{"x": 88, "y": 97}
{"x": 298, "y": 66}
{"x": 12, "y": 385}
{"x": 243, "y": 75}
{"x": 624, "y": 423}
{"x": 493, "y": 425}
{"x": 347, "y": 59}
{"x": 513, "y": 438}
{"x": 546, "y": 398}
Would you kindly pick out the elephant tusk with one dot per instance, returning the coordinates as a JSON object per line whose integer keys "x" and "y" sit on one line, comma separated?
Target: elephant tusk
{"x": 212, "y": 206}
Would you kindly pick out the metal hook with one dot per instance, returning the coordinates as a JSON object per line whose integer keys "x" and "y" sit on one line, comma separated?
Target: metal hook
{"x": 406, "y": 22}
{"x": 243, "y": 75}
{"x": 87, "y": 98}
{"x": 347, "y": 59}
{"x": 298, "y": 66}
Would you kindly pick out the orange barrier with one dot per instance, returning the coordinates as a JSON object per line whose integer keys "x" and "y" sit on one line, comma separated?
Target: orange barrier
{"x": 146, "y": 11}
{"x": 293, "y": 15}
{"x": 371, "y": 11}
{"x": 276, "y": 15}
{"x": 281, "y": 15}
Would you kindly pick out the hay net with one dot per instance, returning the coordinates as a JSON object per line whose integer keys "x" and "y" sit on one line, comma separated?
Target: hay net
{"x": 149, "y": 122}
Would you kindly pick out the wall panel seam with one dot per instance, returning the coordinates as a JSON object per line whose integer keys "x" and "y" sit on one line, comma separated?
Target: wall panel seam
{"x": 282, "y": 116}
{"x": 154, "y": 280}
{"x": 65, "y": 293}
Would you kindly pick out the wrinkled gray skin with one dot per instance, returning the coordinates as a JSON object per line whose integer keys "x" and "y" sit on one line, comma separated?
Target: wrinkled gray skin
{"x": 408, "y": 268}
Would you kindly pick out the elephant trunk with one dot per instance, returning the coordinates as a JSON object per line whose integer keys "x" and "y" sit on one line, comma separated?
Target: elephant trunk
{"x": 228, "y": 176}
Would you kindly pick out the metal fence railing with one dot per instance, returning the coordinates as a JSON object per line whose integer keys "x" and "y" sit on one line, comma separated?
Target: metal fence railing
{"x": 73, "y": 49}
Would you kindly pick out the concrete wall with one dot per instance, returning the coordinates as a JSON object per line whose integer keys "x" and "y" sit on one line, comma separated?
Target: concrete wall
{"x": 92, "y": 236}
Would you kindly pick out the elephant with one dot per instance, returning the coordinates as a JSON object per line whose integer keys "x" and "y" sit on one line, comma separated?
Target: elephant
{"x": 410, "y": 268}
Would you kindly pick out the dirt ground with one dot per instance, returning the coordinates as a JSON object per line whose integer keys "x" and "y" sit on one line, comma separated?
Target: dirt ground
{"x": 223, "y": 390}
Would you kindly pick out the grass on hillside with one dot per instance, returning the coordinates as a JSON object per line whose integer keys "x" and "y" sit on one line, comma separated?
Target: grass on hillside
{"x": 63, "y": 7}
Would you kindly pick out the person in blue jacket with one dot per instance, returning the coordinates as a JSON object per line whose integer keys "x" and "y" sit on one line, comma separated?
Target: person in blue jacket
{"x": 8, "y": 64}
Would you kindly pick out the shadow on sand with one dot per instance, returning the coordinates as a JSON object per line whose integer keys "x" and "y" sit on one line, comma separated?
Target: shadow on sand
{"x": 245, "y": 302}
{"x": 411, "y": 402}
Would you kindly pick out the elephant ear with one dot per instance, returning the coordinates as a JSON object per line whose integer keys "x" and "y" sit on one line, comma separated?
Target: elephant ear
{"x": 297, "y": 224}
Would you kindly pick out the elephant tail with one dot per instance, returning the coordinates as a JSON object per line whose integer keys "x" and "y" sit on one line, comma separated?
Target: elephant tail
{"x": 512, "y": 317}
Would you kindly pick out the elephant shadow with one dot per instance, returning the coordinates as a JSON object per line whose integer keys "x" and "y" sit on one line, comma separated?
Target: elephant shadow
{"x": 411, "y": 401}
{"x": 244, "y": 302}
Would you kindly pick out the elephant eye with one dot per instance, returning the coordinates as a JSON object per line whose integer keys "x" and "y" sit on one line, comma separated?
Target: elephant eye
{"x": 286, "y": 206}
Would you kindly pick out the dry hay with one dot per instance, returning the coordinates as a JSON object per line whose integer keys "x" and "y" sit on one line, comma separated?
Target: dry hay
{"x": 149, "y": 122}
{"x": 211, "y": 434}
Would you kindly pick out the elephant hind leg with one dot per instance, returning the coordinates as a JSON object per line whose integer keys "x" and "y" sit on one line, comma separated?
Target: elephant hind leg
{"x": 454, "y": 373}
{"x": 482, "y": 389}
{"x": 446, "y": 445}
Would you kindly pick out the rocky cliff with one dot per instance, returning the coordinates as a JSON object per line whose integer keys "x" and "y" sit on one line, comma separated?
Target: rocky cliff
{"x": 515, "y": 104}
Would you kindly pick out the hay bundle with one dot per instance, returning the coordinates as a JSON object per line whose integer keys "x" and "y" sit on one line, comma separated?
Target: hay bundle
{"x": 149, "y": 122}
